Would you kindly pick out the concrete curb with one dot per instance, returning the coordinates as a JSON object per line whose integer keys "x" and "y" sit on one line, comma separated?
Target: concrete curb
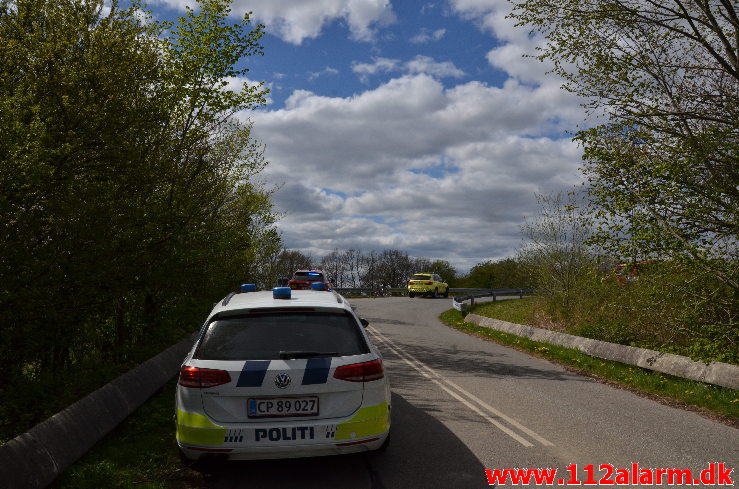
{"x": 34, "y": 459}
{"x": 717, "y": 373}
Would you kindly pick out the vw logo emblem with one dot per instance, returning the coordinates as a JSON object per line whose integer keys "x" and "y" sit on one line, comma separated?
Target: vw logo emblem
{"x": 282, "y": 380}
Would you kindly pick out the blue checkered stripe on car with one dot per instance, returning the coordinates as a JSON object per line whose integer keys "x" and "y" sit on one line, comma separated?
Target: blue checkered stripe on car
{"x": 252, "y": 375}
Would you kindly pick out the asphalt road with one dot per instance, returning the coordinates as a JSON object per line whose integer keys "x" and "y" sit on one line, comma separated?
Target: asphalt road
{"x": 462, "y": 405}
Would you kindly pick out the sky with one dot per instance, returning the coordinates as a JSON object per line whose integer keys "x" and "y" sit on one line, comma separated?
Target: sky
{"x": 413, "y": 125}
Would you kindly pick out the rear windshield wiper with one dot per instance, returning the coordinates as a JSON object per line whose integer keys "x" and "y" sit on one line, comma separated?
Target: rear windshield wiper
{"x": 305, "y": 354}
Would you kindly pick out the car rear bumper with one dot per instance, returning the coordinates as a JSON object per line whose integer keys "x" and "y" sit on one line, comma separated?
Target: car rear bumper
{"x": 365, "y": 430}
{"x": 285, "y": 451}
{"x": 420, "y": 289}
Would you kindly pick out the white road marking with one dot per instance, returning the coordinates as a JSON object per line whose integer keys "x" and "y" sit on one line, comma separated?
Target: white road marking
{"x": 444, "y": 384}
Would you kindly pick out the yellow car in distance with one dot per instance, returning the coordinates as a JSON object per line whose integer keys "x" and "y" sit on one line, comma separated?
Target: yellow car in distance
{"x": 427, "y": 284}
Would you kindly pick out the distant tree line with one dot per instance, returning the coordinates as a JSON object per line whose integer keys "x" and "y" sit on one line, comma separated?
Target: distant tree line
{"x": 353, "y": 268}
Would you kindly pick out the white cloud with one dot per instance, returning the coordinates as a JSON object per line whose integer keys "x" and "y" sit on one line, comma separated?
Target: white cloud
{"x": 312, "y": 75}
{"x": 296, "y": 21}
{"x": 379, "y": 65}
{"x": 448, "y": 173}
{"x": 426, "y": 36}
{"x": 425, "y": 64}
{"x": 517, "y": 45}
{"x": 418, "y": 65}
{"x": 415, "y": 164}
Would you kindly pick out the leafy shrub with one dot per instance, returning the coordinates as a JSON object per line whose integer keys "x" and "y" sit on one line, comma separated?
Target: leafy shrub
{"x": 670, "y": 307}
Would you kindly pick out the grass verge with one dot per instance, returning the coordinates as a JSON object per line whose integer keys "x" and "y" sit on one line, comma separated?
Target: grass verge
{"x": 140, "y": 453}
{"x": 719, "y": 403}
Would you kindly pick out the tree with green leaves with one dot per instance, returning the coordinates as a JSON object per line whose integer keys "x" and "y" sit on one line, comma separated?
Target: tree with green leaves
{"x": 445, "y": 270}
{"x": 663, "y": 171}
{"x": 507, "y": 273}
{"x": 557, "y": 254}
{"x": 128, "y": 191}
{"x": 281, "y": 264}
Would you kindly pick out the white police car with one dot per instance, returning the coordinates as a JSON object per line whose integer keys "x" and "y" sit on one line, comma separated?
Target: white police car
{"x": 281, "y": 374}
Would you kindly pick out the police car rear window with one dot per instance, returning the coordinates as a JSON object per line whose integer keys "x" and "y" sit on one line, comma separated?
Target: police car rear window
{"x": 267, "y": 336}
{"x": 419, "y": 276}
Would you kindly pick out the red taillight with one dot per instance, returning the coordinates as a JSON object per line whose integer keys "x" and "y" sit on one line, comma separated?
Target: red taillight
{"x": 360, "y": 372}
{"x": 429, "y": 283}
{"x": 202, "y": 378}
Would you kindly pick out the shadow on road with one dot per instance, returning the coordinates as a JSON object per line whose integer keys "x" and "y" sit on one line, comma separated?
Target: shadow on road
{"x": 473, "y": 362}
{"x": 423, "y": 454}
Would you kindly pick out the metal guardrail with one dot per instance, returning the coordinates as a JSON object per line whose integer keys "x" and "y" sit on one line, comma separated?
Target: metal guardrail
{"x": 459, "y": 302}
{"x": 372, "y": 292}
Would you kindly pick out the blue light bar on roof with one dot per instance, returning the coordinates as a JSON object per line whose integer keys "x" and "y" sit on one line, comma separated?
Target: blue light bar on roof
{"x": 248, "y": 287}
{"x": 281, "y": 292}
{"x": 314, "y": 274}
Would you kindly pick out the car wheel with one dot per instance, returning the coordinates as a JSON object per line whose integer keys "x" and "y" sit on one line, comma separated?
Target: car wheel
{"x": 411, "y": 295}
{"x": 208, "y": 465}
{"x": 385, "y": 444}
{"x": 183, "y": 457}
{"x": 436, "y": 293}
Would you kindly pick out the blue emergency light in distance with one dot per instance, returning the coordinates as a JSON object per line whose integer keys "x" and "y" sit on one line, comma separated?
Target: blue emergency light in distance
{"x": 314, "y": 274}
{"x": 318, "y": 286}
{"x": 281, "y": 292}
{"x": 248, "y": 288}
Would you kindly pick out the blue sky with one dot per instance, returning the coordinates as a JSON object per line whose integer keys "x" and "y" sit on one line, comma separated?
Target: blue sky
{"x": 413, "y": 125}
{"x": 331, "y": 64}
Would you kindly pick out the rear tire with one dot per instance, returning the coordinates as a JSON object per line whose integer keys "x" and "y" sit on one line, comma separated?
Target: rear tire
{"x": 208, "y": 465}
{"x": 411, "y": 295}
{"x": 384, "y": 445}
{"x": 183, "y": 458}
{"x": 436, "y": 293}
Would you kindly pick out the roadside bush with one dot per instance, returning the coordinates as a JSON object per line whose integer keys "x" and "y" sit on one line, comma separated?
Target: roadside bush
{"x": 129, "y": 195}
{"x": 669, "y": 307}
{"x": 603, "y": 310}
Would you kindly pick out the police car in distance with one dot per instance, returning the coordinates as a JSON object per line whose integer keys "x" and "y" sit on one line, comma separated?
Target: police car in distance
{"x": 281, "y": 374}
{"x": 304, "y": 279}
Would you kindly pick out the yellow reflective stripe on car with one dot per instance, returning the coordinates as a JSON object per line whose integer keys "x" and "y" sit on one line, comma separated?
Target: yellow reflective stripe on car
{"x": 368, "y": 421}
{"x": 197, "y": 429}
{"x": 195, "y": 420}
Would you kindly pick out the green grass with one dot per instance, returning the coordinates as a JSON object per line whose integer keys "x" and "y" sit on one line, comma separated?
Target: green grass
{"x": 514, "y": 311}
{"x": 140, "y": 453}
{"x": 721, "y": 402}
